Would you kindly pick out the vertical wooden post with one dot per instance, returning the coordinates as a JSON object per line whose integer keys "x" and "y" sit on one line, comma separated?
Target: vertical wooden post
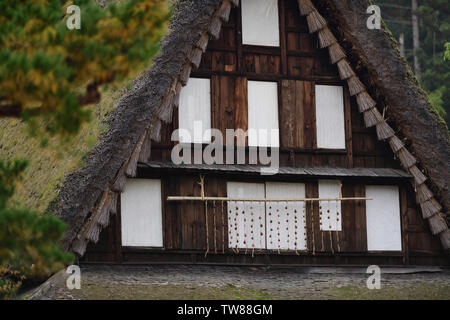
{"x": 282, "y": 26}
{"x": 312, "y": 217}
{"x": 118, "y": 242}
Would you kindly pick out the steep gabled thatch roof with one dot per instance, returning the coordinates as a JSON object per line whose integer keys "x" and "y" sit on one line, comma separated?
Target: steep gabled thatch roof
{"x": 88, "y": 196}
{"x": 129, "y": 124}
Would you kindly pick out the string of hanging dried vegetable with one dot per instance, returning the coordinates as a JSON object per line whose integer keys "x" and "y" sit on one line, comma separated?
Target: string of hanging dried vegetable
{"x": 337, "y": 231}
{"x": 287, "y": 224}
{"x": 312, "y": 223}
{"x": 305, "y": 229}
{"x": 235, "y": 227}
{"x": 252, "y": 233}
{"x": 245, "y": 228}
{"x": 321, "y": 225}
{"x": 329, "y": 229}
{"x": 207, "y": 229}
{"x": 295, "y": 231}
{"x": 331, "y": 241}
{"x": 230, "y": 226}
{"x": 261, "y": 226}
{"x": 278, "y": 228}
{"x": 223, "y": 228}
{"x": 339, "y": 215}
{"x": 270, "y": 226}
{"x": 215, "y": 227}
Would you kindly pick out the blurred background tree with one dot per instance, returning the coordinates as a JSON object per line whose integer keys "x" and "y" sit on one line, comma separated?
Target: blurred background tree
{"x": 48, "y": 75}
{"x": 29, "y": 248}
{"x": 433, "y": 34}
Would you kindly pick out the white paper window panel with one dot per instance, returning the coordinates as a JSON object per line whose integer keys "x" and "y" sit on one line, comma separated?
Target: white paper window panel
{"x": 330, "y": 120}
{"x": 263, "y": 114}
{"x": 286, "y": 221}
{"x": 141, "y": 213}
{"x": 383, "y": 218}
{"x": 330, "y": 211}
{"x": 240, "y": 215}
{"x": 260, "y": 23}
{"x": 195, "y": 107}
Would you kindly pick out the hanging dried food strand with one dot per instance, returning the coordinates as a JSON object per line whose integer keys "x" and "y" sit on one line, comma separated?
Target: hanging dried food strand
{"x": 261, "y": 226}
{"x": 339, "y": 216}
{"x": 296, "y": 228}
{"x": 245, "y": 228}
{"x": 223, "y": 227}
{"x": 322, "y": 224}
{"x": 207, "y": 231}
{"x": 305, "y": 228}
{"x": 230, "y": 226}
{"x": 252, "y": 229}
{"x": 331, "y": 241}
{"x": 312, "y": 225}
{"x": 337, "y": 231}
{"x": 278, "y": 227}
{"x": 287, "y": 224}
{"x": 270, "y": 226}
{"x": 236, "y": 227}
{"x": 215, "y": 227}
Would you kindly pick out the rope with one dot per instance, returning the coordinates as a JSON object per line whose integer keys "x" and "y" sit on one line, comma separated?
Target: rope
{"x": 245, "y": 229}
{"x": 235, "y": 227}
{"x": 261, "y": 234}
{"x": 207, "y": 228}
{"x": 215, "y": 228}
{"x": 331, "y": 241}
{"x": 230, "y": 226}
{"x": 270, "y": 225}
{"x": 322, "y": 225}
{"x": 223, "y": 229}
{"x": 252, "y": 231}
{"x": 278, "y": 229}
{"x": 340, "y": 217}
{"x": 305, "y": 227}
{"x": 295, "y": 231}
{"x": 337, "y": 232}
{"x": 312, "y": 223}
{"x": 287, "y": 223}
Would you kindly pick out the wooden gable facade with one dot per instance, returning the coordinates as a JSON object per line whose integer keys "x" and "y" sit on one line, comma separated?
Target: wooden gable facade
{"x": 199, "y": 231}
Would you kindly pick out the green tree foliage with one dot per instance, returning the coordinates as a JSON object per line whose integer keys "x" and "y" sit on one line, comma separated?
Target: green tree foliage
{"x": 29, "y": 241}
{"x": 48, "y": 74}
{"x": 47, "y": 69}
{"x": 434, "y": 23}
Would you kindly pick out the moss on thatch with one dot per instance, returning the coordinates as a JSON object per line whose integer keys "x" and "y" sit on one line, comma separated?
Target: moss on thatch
{"x": 49, "y": 165}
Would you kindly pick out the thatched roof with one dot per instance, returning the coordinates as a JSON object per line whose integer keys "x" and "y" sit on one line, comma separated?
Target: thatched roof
{"x": 87, "y": 197}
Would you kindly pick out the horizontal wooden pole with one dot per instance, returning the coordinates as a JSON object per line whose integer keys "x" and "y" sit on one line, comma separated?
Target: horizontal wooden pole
{"x": 184, "y": 198}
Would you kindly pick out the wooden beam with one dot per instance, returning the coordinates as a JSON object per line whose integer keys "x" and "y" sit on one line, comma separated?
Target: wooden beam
{"x": 184, "y": 198}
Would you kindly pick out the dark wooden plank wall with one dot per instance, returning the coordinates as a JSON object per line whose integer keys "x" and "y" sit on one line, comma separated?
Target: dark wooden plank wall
{"x": 297, "y": 66}
{"x": 184, "y": 226}
{"x": 229, "y": 65}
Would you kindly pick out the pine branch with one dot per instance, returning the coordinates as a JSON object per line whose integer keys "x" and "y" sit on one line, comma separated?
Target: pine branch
{"x": 92, "y": 95}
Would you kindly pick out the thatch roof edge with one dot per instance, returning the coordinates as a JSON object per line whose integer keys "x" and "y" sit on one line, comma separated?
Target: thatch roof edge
{"x": 377, "y": 51}
{"x": 83, "y": 189}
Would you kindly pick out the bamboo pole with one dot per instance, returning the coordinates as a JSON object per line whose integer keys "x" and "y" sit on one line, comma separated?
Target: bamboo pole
{"x": 186, "y": 198}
